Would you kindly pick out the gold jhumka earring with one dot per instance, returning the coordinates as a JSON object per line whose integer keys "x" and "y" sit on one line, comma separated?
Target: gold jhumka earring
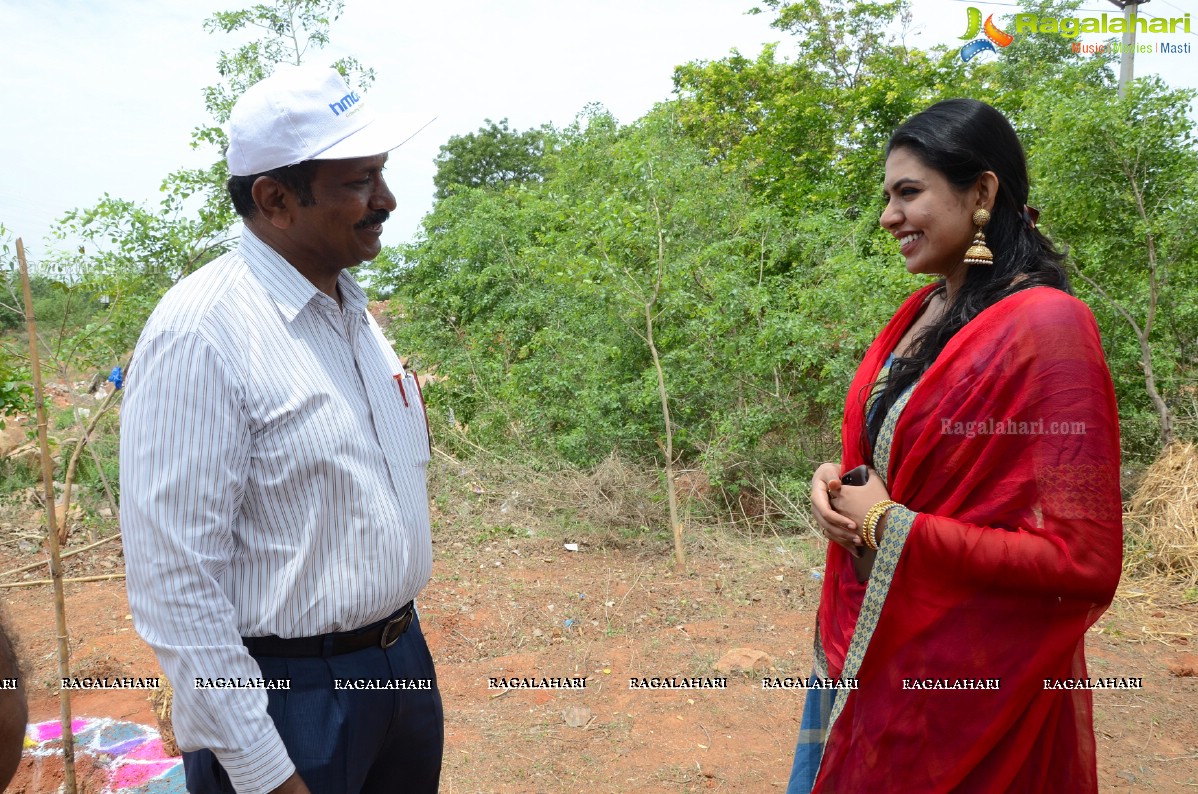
{"x": 978, "y": 253}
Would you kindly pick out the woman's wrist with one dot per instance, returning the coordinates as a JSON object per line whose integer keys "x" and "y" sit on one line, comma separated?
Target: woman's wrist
{"x": 870, "y": 524}
{"x": 880, "y": 527}
{"x": 877, "y": 520}
{"x": 897, "y": 516}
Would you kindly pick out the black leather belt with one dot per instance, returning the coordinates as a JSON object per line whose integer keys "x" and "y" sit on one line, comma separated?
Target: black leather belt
{"x": 383, "y": 634}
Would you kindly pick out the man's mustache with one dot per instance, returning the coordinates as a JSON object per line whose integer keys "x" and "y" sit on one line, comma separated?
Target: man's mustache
{"x": 375, "y": 218}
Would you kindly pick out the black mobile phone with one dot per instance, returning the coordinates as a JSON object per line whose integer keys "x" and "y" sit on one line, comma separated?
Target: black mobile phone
{"x": 857, "y": 476}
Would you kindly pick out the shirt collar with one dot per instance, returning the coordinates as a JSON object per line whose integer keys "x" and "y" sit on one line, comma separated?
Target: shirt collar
{"x": 289, "y": 288}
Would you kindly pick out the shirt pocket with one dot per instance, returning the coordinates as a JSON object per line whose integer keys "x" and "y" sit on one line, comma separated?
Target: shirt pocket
{"x": 415, "y": 417}
{"x": 414, "y": 439}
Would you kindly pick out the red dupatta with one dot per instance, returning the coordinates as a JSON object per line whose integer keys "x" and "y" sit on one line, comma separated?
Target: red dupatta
{"x": 1008, "y": 450}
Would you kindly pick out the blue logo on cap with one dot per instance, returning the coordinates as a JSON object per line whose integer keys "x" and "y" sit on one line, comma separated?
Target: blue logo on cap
{"x": 345, "y": 103}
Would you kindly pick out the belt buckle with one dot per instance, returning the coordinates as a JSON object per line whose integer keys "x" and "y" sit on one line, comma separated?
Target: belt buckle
{"x": 395, "y": 629}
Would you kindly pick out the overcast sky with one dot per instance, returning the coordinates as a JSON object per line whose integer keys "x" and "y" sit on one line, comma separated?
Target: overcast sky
{"x": 102, "y": 95}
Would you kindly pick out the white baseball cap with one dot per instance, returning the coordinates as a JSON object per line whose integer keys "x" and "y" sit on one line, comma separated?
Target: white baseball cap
{"x": 303, "y": 113}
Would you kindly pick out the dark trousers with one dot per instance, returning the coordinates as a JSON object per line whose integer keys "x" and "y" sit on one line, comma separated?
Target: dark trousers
{"x": 345, "y": 741}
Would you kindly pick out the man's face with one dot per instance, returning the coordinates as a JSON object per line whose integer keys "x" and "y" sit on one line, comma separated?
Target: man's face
{"x": 343, "y": 227}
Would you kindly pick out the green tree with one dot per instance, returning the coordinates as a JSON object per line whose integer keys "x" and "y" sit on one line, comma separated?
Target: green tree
{"x": 16, "y": 391}
{"x": 842, "y": 37}
{"x": 1120, "y": 180}
{"x": 495, "y": 156}
{"x": 811, "y": 131}
{"x": 720, "y": 259}
{"x": 532, "y": 301}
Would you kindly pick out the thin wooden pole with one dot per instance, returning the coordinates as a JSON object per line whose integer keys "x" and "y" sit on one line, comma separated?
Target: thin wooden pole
{"x": 60, "y": 609}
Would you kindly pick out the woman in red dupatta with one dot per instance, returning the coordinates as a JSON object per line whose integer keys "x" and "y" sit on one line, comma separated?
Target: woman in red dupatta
{"x": 995, "y": 431}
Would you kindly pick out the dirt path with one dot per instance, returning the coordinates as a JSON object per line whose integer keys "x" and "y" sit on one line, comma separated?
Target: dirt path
{"x": 502, "y": 604}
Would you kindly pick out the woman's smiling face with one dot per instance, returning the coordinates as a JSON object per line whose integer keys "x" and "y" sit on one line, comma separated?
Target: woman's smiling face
{"x": 931, "y": 219}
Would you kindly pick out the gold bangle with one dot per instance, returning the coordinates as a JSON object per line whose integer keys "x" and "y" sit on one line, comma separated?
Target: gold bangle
{"x": 872, "y": 516}
{"x": 873, "y": 530}
{"x": 869, "y": 514}
{"x": 871, "y": 523}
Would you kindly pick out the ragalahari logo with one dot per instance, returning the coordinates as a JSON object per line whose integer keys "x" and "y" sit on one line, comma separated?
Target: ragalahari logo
{"x": 976, "y": 44}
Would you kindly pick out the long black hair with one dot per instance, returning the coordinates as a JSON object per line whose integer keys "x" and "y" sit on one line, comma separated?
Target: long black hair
{"x": 962, "y": 139}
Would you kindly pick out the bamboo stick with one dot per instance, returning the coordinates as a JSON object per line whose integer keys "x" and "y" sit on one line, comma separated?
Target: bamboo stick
{"x": 60, "y": 610}
{"x": 35, "y": 582}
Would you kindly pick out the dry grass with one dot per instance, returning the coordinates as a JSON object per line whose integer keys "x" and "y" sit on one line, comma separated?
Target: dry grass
{"x": 614, "y": 495}
{"x": 1162, "y": 518}
{"x": 161, "y": 701}
{"x": 618, "y": 503}
{"x": 617, "y": 506}
{"x": 1155, "y": 609}
{"x": 1160, "y": 562}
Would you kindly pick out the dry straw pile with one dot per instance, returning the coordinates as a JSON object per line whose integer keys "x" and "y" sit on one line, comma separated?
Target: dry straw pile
{"x": 1162, "y": 517}
{"x": 162, "y": 700}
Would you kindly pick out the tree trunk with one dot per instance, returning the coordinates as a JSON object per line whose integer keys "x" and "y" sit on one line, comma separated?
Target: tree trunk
{"x": 671, "y": 487}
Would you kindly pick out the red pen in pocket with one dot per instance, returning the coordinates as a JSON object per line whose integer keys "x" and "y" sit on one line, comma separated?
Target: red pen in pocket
{"x": 399, "y": 376}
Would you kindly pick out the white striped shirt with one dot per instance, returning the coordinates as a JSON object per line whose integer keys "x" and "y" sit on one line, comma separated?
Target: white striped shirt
{"x": 273, "y": 465}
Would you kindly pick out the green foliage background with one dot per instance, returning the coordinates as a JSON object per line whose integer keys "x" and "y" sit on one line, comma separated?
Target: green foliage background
{"x": 757, "y": 186}
{"x": 522, "y": 289}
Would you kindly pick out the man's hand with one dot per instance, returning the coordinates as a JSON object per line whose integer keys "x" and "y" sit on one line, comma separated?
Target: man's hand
{"x": 292, "y": 785}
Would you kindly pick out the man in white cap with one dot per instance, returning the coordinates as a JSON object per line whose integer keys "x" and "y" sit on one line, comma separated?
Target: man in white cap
{"x": 273, "y": 464}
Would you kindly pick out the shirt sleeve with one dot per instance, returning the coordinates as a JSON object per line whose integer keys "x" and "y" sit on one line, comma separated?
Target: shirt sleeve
{"x": 184, "y": 456}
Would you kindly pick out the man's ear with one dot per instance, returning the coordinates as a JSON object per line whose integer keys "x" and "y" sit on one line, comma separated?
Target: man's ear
{"x": 276, "y": 204}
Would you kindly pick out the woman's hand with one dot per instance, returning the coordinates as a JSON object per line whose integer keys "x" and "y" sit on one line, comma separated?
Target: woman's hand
{"x": 836, "y": 527}
{"x": 854, "y": 501}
